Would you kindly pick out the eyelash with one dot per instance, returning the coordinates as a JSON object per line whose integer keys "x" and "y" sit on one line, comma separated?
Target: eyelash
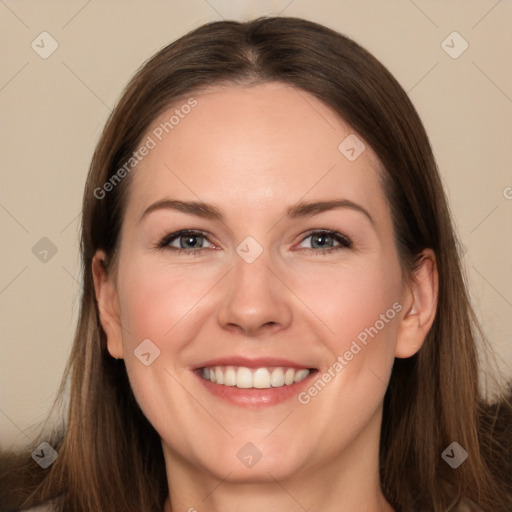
{"x": 344, "y": 241}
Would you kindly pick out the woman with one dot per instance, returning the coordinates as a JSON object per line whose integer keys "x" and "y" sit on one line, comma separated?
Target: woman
{"x": 316, "y": 350}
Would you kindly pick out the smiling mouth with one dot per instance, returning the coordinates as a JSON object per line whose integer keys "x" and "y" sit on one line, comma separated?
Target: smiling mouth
{"x": 254, "y": 378}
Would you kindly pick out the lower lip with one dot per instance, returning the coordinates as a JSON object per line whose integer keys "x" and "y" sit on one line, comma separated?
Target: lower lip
{"x": 254, "y": 397}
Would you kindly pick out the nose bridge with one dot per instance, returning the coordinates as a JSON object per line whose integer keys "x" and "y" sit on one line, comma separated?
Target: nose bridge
{"x": 252, "y": 265}
{"x": 255, "y": 297}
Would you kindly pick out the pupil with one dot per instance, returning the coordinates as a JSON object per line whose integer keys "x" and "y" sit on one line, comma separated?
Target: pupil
{"x": 321, "y": 237}
{"x": 191, "y": 239}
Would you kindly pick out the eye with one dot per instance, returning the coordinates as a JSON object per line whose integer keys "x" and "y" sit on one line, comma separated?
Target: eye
{"x": 188, "y": 242}
{"x": 325, "y": 240}
{"x": 192, "y": 242}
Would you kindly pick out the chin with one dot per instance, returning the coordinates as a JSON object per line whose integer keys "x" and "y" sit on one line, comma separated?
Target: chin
{"x": 256, "y": 462}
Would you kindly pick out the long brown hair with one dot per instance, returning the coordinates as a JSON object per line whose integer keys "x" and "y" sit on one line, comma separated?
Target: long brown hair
{"x": 110, "y": 457}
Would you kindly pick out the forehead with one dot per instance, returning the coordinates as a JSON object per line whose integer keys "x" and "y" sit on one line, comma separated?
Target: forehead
{"x": 253, "y": 147}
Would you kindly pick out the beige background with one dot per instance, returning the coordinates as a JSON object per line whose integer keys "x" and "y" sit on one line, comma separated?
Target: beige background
{"x": 53, "y": 111}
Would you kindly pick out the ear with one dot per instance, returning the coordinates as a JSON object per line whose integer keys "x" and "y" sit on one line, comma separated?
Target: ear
{"x": 108, "y": 304}
{"x": 420, "y": 304}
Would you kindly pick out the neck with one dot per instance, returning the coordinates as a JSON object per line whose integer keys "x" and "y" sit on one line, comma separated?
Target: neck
{"x": 277, "y": 499}
{"x": 346, "y": 482}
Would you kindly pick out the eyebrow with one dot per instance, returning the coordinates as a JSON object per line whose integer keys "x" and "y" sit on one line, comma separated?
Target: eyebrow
{"x": 211, "y": 212}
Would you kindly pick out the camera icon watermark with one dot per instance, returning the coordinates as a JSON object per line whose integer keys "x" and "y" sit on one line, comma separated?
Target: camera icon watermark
{"x": 146, "y": 352}
{"x": 351, "y": 147}
{"x": 249, "y": 454}
{"x": 44, "y": 455}
{"x": 454, "y": 45}
{"x": 44, "y": 45}
{"x": 454, "y": 455}
{"x": 249, "y": 249}
{"x": 44, "y": 250}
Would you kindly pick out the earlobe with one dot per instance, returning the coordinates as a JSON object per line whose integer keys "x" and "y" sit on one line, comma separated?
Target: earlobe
{"x": 420, "y": 299}
{"x": 108, "y": 304}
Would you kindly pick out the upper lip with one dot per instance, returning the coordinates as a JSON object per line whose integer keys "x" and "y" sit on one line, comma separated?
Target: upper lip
{"x": 257, "y": 362}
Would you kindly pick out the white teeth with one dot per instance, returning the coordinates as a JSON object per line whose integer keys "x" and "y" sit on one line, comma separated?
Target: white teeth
{"x": 260, "y": 378}
{"x": 300, "y": 375}
{"x": 277, "y": 378}
{"x": 230, "y": 376}
{"x": 288, "y": 376}
{"x": 243, "y": 378}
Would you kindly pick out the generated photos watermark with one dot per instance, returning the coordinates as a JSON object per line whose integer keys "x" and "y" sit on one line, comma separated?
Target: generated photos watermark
{"x": 355, "y": 348}
{"x": 151, "y": 142}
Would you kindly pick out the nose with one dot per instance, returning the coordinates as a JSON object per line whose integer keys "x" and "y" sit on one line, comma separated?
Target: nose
{"x": 257, "y": 300}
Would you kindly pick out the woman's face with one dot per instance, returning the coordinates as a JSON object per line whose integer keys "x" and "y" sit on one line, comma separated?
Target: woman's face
{"x": 294, "y": 305}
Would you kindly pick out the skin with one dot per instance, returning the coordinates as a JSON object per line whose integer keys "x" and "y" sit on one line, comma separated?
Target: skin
{"x": 254, "y": 151}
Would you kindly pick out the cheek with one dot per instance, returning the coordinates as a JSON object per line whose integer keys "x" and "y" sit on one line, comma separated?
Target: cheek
{"x": 355, "y": 303}
{"x": 360, "y": 304}
{"x": 160, "y": 303}
{"x": 156, "y": 300}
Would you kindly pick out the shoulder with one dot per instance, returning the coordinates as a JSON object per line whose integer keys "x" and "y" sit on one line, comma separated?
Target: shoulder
{"x": 468, "y": 506}
{"x": 464, "y": 504}
{"x": 41, "y": 508}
